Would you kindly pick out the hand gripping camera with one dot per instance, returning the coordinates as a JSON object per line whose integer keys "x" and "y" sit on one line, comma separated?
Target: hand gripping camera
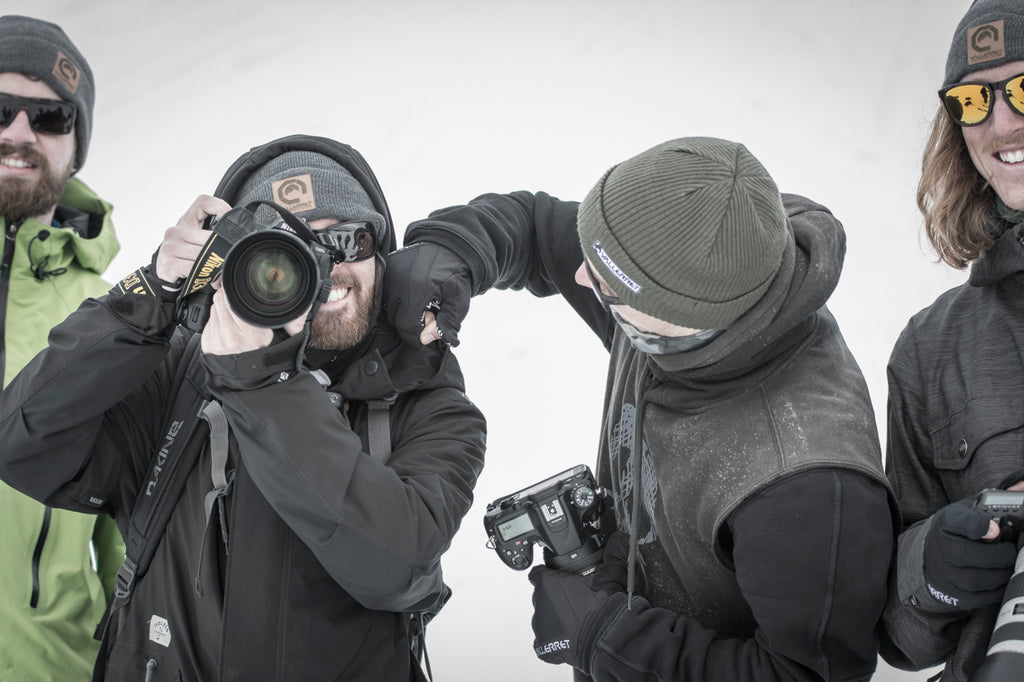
{"x": 271, "y": 275}
{"x": 561, "y": 514}
{"x": 1005, "y": 657}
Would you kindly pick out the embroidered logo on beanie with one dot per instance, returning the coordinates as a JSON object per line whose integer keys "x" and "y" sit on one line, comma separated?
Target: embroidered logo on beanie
{"x": 295, "y": 193}
{"x": 66, "y": 72}
{"x": 986, "y": 42}
{"x": 615, "y": 269}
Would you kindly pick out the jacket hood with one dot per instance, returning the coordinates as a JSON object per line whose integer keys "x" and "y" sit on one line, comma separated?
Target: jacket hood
{"x": 811, "y": 265}
{"x": 350, "y": 159}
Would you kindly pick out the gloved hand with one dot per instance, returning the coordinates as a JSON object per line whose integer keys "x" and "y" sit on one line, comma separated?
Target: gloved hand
{"x": 567, "y": 607}
{"x": 564, "y": 607}
{"x": 611, "y": 574}
{"x": 423, "y": 277}
{"x": 963, "y": 571}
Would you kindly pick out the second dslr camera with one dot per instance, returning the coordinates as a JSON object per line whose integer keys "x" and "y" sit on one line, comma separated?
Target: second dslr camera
{"x": 561, "y": 513}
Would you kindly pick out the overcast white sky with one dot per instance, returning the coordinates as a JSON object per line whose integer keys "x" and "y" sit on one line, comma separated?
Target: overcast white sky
{"x": 449, "y": 99}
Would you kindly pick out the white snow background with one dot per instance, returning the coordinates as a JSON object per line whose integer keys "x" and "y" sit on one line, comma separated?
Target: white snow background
{"x": 449, "y": 99}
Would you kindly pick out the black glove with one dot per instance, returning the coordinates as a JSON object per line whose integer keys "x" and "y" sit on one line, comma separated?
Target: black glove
{"x": 565, "y": 606}
{"x": 423, "y": 277}
{"x": 964, "y": 572}
{"x": 612, "y": 572}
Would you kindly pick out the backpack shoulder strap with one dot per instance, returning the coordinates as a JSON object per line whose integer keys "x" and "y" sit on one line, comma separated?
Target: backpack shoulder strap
{"x": 168, "y": 470}
{"x": 379, "y": 427}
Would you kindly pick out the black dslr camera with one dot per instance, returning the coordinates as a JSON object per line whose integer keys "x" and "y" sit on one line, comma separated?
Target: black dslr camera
{"x": 1006, "y": 508}
{"x": 271, "y": 275}
{"x": 561, "y": 514}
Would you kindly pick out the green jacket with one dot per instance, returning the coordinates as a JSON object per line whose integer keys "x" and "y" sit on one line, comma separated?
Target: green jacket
{"x": 51, "y": 597}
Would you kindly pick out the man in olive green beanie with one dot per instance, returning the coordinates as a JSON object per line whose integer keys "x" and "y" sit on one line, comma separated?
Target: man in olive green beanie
{"x": 750, "y": 525}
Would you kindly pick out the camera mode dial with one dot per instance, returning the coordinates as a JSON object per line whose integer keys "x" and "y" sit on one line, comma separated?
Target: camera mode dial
{"x": 583, "y": 497}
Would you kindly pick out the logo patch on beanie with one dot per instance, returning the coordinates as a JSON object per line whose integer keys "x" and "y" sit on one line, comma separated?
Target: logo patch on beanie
{"x": 615, "y": 269}
{"x": 986, "y": 43}
{"x": 294, "y": 193}
{"x": 66, "y": 72}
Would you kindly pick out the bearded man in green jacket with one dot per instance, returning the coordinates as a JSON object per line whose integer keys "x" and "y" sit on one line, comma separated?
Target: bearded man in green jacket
{"x": 58, "y": 241}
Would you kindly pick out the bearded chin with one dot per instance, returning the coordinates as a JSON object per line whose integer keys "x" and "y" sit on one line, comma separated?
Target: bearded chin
{"x": 336, "y": 331}
{"x": 21, "y": 199}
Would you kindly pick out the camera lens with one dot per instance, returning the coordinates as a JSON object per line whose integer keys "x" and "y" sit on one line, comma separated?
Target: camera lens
{"x": 270, "y": 278}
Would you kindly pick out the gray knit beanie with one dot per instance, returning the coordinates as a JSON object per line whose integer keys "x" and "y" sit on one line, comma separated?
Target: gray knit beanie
{"x": 41, "y": 49}
{"x": 990, "y": 34}
{"x": 311, "y": 186}
{"x": 690, "y": 231}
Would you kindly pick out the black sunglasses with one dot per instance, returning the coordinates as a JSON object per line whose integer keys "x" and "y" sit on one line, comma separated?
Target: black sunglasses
{"x": 350, "y": 242}
{"x": 50, "y": 116}
{"x": 970, "y": 104}
{"x": 347, "y": 242}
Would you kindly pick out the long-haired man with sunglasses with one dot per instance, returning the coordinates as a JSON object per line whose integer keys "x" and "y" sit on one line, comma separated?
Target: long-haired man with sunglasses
{"x": 320, "y": 468}
{"x": 58, "y": 241}
{"x": 751, "y": 527}
{"x": 956, "y": 373}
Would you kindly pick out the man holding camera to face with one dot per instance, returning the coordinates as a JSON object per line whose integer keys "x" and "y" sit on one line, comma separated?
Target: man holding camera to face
{"x": 326, "y": 473}
{"x": 751, "y": 523}
{"x": 59, "y": 239}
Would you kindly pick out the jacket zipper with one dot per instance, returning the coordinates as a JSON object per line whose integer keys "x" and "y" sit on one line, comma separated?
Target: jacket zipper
{"x": 37, "y": 556}
{"x": 5, "y": 284}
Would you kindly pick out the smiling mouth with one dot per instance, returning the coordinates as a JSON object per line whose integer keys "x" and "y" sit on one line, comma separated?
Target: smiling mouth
{"x": 338, "y": 293}
{"x": 15, "y": 162}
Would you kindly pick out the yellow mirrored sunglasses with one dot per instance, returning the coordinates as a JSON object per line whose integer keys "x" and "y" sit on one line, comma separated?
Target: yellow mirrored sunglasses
{"x": 970, "y": 104}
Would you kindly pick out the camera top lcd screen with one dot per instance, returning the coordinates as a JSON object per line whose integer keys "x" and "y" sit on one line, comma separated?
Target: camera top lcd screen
{"x": 515, "y": 527}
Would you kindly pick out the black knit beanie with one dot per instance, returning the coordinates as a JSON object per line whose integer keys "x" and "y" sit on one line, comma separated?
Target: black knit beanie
{"x": 990, "y": 34}
{"x": 311, "y": 186}
{"x": 41, "y": 49}
{"x": 690, "y": 232}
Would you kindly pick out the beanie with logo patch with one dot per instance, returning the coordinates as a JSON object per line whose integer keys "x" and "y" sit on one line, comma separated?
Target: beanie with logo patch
{"x": 690, "y": 231}
{"x": 42, "y": 50}
{"x": 990, "y": 34}
{"x": 311, "y": 186}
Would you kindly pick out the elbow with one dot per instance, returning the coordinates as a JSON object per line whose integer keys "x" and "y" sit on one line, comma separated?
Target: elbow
{"x": 397, "y": 589}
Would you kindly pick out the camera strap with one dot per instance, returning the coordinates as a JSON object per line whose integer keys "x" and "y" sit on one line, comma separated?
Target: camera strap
{"x": 207, "y": 265}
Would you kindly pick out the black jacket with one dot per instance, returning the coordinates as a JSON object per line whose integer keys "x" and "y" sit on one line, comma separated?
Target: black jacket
{"x": 306, "y": 561}
{"x": 956, "y": 427}
{"x": 759, "y": 509}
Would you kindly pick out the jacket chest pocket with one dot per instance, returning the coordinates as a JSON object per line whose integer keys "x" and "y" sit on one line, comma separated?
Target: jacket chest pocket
{"x": 980, "y": 445}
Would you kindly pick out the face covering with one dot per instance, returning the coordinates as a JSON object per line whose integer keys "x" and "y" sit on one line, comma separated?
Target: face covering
{"x": 654, "y": 344}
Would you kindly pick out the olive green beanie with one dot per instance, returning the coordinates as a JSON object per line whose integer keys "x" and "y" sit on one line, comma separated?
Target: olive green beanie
{"x": 690, "y": 231}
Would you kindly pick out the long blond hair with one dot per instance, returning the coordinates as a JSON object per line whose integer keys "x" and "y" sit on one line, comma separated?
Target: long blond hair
{"x": 956, "y": 201}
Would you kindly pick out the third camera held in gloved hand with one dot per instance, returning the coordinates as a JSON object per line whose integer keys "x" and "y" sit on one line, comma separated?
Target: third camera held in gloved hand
{"x": 963, "y": 571}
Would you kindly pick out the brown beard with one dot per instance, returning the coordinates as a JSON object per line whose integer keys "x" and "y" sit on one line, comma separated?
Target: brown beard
{"x": 342, "y": 329}
{"x": 20, "y": 199}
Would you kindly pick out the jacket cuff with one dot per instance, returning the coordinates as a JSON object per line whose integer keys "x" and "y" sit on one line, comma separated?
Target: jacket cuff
{"x": 142, "y": 303}
{"x": 911, "y": 586}
{"x": 256, "y": 368}
{"x": 596, "y": 625}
